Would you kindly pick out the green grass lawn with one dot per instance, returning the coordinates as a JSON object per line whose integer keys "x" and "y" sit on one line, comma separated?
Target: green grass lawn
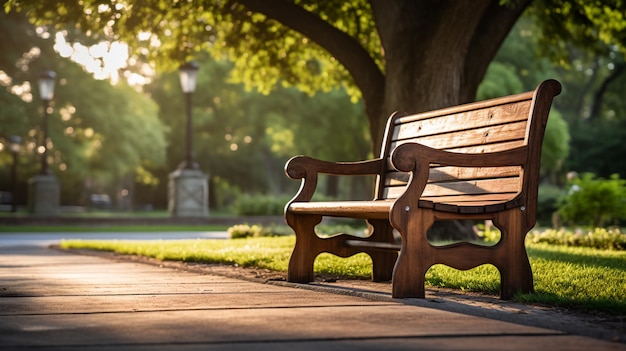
{"x": 581, "y": 278}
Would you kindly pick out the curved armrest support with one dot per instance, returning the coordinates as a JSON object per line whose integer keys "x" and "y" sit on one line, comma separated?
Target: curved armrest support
{"x": 407, "y": 157}
{"x": 303, "y": 166}
{"x": 308, "y": 168}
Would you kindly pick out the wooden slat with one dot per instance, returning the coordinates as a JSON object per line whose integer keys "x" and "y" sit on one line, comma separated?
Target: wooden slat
{"x": 472, "y": 187}
{"x": 461, "y": 199}
{"x": 479, "y": 136}
{"x": 438, "y": 174}
{"x": 511, "y": 99}
{"x": 479, "y": 205}
{"x": 481, "y": 149}
{"x": 462, "y": 173}
{"x": 373, "y": 245}
{"x": 462, "y": 121}
{"x": 355, "y": 209}
{"x": 500, "y": 185}
{"x": 392, "y": 192}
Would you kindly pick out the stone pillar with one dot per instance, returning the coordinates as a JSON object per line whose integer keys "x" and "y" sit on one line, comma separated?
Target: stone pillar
{"x": 44, "y": 195}
{"x": 188, "y": 193}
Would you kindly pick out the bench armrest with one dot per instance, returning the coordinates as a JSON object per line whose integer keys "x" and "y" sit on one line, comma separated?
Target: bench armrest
{"x": 410, "y": 156}
{"x": 307, "y": 169}
{"x": 417, "y": 158}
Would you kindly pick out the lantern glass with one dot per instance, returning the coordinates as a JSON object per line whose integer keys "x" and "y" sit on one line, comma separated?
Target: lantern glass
{"x": 15, "y": 144}
{"x": 46, "y": 85}
{"x": 188, "y": 76}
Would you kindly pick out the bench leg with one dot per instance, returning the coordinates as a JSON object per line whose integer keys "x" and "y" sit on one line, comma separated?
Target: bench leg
{"x": 408, "y": 278}
{"x": 515, "y": 272}
{"x": 382, "y": 261}
{"x": 300, "y": 268}
{"x": 414, "y": 260}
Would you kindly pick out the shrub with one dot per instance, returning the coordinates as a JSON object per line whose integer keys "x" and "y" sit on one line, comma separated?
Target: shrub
{"x": 254, "y": 231}
{"x": 599, "y": 238}
{"x": 548, "y": 202}
{"x": 489, "y": 233}
{"x": 241, "y": 231}
{"x": 595, "y": 202}
{"x": 260, "y": 205}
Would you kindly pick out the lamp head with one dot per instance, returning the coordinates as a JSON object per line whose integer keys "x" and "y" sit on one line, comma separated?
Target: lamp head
{"x": 15, "y": 143}
{"x": 188, "y": 76}
{"x": 46, "y": 85}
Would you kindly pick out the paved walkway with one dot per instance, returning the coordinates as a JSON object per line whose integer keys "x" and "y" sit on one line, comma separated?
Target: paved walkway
{"x": 55, "y": 300}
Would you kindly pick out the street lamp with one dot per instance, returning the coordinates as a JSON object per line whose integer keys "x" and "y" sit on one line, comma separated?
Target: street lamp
{"x": 188, "y": 76}
{"x": 46, "y": 92}
{"x": 15, "y": 144}
{"x": 188, "y": 189}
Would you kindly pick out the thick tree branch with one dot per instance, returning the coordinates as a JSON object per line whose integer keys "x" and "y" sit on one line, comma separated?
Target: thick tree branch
{"x": 346, "y": 49}
{"x": 582, "y": 96}
{"x": 599, "y": 95}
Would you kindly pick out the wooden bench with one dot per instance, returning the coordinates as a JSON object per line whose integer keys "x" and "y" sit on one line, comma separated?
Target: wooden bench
{"x": 478, "y": 161}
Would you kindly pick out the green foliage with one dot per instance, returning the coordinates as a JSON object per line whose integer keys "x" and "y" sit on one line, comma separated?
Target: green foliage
{"x": 555, "y": 147}
{"x": 260, "y": 205}
{"x": 598, "y": 144}
{"x": 243, "y": 139}
{"x": 595, "y": 201}
{"x": 488, "y": 232}
{"x": 598, "y": 238}
{"x": 501, "y": 79}
{"x": 266, "y": 53}
{"x": 548, "y": 202}
{"x": 517, "y": 69}
{"x": 99, "y": 134}
{"x": 241, "y": 231}
{"x": 583, "y": 23}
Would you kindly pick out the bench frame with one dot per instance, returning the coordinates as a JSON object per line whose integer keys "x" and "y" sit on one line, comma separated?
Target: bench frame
{"x": 403, "y": 205}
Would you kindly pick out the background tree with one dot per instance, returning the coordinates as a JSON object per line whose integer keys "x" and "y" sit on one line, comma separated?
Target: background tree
{"x": 101, "y": 134}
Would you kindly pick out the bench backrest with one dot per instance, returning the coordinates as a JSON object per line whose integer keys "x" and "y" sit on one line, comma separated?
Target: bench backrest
{"x": 486, "y": 126}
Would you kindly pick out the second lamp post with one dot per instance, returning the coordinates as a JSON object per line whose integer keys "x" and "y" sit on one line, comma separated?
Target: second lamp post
{"x": 43, "y": 189}
{"x": 46, "y": 90}
{"x": 15, "y": 144}
{"x": 188, "y": 189}
{"x": 188, "y": 78}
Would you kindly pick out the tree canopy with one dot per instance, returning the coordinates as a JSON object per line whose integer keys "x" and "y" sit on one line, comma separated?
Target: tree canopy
{"x": 98, "y": 133}
{"x": 401, "y": 55}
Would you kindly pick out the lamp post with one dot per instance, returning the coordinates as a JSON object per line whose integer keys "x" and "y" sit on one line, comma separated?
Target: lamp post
{"x": 46, "y": 92}
{"x": 15, "y": 144}
{"x": 188, "y": 74}
{"x": 43, "y": 189}
{"x": 188, "y": 189}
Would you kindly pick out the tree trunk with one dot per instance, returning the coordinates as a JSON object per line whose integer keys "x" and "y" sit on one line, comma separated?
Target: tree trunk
{"x": 437, "y": 52}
